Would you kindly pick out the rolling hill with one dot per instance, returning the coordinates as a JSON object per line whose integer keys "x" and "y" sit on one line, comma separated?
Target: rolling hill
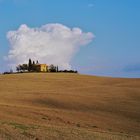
{"x": 59, "y": 106}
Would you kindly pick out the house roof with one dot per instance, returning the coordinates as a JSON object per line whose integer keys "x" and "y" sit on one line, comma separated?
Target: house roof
{"x": 41, "y": 64}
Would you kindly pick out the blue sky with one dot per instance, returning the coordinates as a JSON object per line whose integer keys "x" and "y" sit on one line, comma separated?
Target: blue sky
{"x": 115, "y": 23}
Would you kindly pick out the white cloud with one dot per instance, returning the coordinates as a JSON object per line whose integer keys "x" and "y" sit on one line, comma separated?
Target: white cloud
{"x": 51, "y": 43}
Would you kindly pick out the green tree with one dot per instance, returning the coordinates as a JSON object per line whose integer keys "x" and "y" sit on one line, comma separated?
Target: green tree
{"x": 34, "y": 67}
{"x": 18, "y": 68}
{"x": 57, "y": 69}
{"x": 37, "y": 62}
{"x": 30, "y": 65}
{"x": 52, "y": 68}
{"x": 24, "y": 67}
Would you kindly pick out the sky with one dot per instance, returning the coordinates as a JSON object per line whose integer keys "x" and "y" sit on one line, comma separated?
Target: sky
{"x": 96, "y": 37}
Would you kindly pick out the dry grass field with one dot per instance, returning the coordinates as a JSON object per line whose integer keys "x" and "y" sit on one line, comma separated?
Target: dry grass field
{"x": 68, "y": 107}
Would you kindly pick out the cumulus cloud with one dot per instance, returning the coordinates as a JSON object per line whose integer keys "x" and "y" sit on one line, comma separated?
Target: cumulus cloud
{"x": 51, "y": 43}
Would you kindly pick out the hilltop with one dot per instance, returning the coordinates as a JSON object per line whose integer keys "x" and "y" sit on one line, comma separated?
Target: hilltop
{"x": 58, "y": 106}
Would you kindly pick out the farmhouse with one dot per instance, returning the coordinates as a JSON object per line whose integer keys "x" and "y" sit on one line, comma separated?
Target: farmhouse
{"x": 42, "y": 67}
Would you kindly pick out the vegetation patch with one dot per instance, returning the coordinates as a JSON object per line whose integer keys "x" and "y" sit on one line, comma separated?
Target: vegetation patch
{"x": 20, "y": 126}
{"x": 78, "y": 125}
{"x": 94, "y": 126}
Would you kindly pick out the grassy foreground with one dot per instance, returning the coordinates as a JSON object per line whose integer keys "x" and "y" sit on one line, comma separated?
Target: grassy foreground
{"x": 68, "y": 106}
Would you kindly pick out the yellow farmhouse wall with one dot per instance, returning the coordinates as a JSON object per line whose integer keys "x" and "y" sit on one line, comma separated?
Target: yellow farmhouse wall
{"x": 43, "y": 68}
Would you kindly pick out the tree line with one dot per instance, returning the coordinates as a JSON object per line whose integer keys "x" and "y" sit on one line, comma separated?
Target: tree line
{"x": 32, "y": 67}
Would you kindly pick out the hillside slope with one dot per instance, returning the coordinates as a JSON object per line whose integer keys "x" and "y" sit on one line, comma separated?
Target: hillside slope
{"x": 69, "y": 106}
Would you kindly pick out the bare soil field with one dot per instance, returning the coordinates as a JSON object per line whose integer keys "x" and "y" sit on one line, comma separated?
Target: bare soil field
{"x": 57, "y": 106}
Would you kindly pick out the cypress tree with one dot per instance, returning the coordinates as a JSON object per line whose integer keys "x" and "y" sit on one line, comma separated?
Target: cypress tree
{"x": 30, "y": 65}
{"x": 57, "y": 69}
{"x": 37, "y": 62}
